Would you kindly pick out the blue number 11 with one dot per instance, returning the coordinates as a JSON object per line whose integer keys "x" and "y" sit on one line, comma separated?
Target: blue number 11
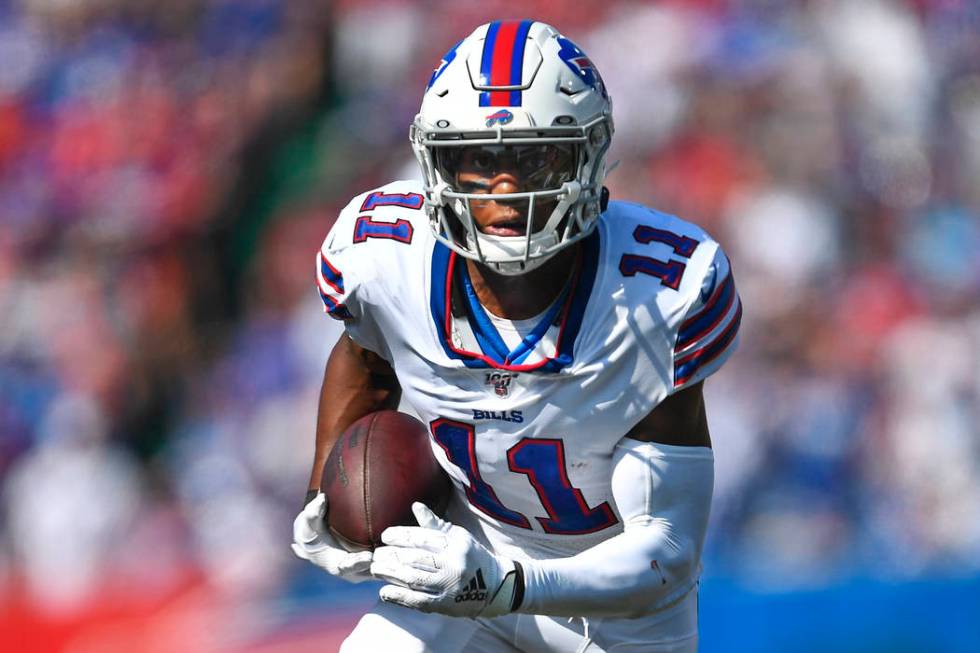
{"x": 543, "y": 462}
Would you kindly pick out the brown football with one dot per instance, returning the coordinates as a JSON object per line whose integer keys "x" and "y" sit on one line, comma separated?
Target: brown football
{"x": 377, "y": 468}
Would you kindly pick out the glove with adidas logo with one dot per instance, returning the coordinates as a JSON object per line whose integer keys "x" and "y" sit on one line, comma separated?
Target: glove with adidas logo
{"x": 439, "y": 567}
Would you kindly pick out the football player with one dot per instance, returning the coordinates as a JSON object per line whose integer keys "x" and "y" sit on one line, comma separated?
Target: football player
{"x": 554, "y": 341}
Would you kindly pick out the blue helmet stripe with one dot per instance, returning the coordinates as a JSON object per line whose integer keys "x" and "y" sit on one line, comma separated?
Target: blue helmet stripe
{"x": 517, "y": 61}
{"x": 487, "y": 61}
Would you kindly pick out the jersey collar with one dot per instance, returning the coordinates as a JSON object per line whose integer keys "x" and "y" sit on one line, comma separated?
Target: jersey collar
{"x": 568, "y": 311}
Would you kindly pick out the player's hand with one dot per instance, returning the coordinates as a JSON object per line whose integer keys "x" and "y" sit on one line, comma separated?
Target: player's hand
{"x": 312, "y": 541}
{"x": 439, "y": 567}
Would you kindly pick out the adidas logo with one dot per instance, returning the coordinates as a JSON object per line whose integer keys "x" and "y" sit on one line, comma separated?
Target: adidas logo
{"x": 475, "y": 591}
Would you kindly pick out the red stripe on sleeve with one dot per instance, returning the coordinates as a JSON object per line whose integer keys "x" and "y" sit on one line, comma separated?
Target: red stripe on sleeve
{"x": 715, "y": 296}
{"x": 722, "y": 338}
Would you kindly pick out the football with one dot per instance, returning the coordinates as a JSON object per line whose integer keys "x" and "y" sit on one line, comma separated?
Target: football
{"x": 379, "y": 466}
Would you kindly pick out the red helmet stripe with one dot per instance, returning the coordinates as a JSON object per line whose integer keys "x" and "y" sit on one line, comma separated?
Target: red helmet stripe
{"x": 503, "y": 53}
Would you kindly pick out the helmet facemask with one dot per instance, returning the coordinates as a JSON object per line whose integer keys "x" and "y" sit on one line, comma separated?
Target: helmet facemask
{"x": 558, "y": 176}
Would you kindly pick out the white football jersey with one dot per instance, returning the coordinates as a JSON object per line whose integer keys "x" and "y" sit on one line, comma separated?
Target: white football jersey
{"x": 527, "y": 429}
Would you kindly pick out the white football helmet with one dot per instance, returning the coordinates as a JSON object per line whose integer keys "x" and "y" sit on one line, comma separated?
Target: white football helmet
{"x": 522, "y": 88}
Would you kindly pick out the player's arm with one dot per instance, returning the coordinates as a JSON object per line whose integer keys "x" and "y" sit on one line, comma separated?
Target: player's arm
{"x": 678, "y": 420}
{"x": 356, "y": 382}
{"x": 662, "y": 479}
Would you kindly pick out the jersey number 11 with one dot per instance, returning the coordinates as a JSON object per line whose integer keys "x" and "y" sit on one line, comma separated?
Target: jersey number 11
{"x": 542, "y": 460}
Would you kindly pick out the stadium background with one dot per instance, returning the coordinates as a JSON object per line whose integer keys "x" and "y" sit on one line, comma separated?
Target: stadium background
{"x": 167, "y": 171}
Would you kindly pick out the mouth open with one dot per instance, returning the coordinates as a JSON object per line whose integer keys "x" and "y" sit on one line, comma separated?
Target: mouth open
{"x": 517, "y": 227}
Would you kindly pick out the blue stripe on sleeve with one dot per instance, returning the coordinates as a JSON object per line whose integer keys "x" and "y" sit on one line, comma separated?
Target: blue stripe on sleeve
{"x": 717, "y": 306}
{"x": 334, "y": 277}
{"x": 689, "y": 367}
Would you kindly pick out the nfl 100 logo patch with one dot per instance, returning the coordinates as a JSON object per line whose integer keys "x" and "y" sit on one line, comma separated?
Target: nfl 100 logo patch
{"x": 500, "y": 382}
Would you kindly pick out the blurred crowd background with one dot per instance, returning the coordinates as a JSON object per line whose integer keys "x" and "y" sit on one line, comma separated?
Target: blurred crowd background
{"x": 168, "y": 170}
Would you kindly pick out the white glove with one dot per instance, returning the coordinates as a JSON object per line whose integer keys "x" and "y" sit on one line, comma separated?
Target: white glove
{"x": 312, "y": 541}
{"x": 439, "y": 567}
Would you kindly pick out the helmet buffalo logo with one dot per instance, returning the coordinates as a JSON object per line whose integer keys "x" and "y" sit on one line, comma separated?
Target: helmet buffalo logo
{"x": 501, "y": 117}
{"x": 581, "y": 65}
{"x": 446, "y": 60}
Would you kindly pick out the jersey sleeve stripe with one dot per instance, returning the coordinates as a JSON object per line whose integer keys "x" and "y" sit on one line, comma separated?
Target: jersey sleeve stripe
{"x": 687, "y": 366}
{"x": 333, "y": 308}
{"x": 330, "y": 274}
{"x": 330, "y": 285}
{"x": 708, "y": 318}
{"x": 328, "y": 302}
{"x": 682, "y": 355}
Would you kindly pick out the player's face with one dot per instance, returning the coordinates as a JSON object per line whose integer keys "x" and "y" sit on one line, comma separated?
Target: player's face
{"x": 499, "y": 169}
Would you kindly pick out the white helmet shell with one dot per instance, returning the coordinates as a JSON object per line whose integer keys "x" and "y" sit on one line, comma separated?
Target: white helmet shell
{"x": 515, "y": 83}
